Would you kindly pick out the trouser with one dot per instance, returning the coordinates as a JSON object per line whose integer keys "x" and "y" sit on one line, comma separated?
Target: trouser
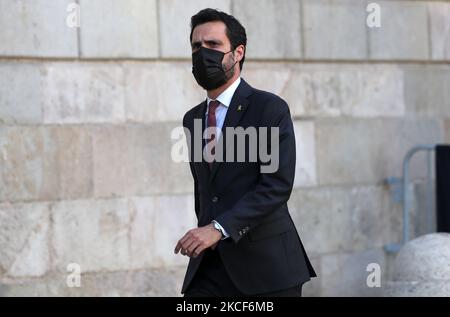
{"x": 212, "y": 280}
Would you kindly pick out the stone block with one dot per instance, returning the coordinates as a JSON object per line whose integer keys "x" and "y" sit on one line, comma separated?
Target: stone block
{"x": 36, "y": 28}
{"x": 157, "y": 223}
{"x": 21, "y": 92}
{"x": 115, "y": 28}
{"x": 75, "y": 162}
{"x": 403, "y": 34}
{"x": 91, "y": 233}
{"x": 28, "y": 161}
{"x": 121, "y": 234}
{"x": 277, "y": 78}
{"x": 427, "y": 90}
{"x": 333, "y": 219}
{"x": 45, "y": 162}
{"x": 335, "y": 29}
{"x": 142, "y": 163}
{"x": 333, "y": 90}
{"x": 24, "y": 235}
{"x": 321, "y": 218}
{"x": 156, "y": 282}
{"x": 84, "y": 93}
{"x": 369, "y": 151}
{"x": 439, "y": 17}
{"x": 345, "y": 274}
{"x": 174, "y": 216}
{"x": 264, "y": 26}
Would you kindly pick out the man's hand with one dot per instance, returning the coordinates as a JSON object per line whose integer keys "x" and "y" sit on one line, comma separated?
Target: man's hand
{"x": 195, "y": 241}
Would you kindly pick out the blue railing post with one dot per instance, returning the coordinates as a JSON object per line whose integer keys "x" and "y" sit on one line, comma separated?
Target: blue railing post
{"x": 405, "y": 193}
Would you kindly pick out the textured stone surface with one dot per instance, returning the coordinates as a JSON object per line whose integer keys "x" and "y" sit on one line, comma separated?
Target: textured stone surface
{"x": 28, "y": 161}
{"x": 157, "y": 223}
{"x": 93, "y": 234}
{"x": 142, "y": 163}
{"x": 61, "y": 92}
{"x": 403, "y": 33}
{"x": 345, "y": 274}
{"x": 121, "y": 234}
{"x": 264, "y": 26}
{"x": 335, "y": 29}
{"x": 174, "y": 216}
{"x": 127, "y": 28}
{"x": 333, "y": 90}
{"x": 342, "y": 219}
{"x": 136, "y": 91}
{"x": 422, "y": 268}
{"x": 150, "y": 93}
{"x": 431, "y": 99}
{"x": 86, "y": 172}
{"x": 439, "y": 15}
{"x": 175, "y": 36}
{"x": 417, "y": 289}
{"x": 376, "y": 153}
{"x": 36, "y": 28}
{"x": 305, "y": 170}
{"x": 156, "y": 282}
{"x": 39, "y": 163}
{"x": 24, "y": 230}
{"x": 75, "y": 162}
{"x": 317, "y": 90}
{"x": 426, "y": 258}
{"x": 84, "y": 93}
{"x": 21, "y": 92}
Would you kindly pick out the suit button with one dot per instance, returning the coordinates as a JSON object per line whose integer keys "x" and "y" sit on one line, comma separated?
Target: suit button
{"x": 215, "y": 199}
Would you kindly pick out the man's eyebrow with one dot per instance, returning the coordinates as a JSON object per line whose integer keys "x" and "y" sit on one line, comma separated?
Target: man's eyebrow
{"x": 198, "y": 43}
{"x": 214, "y": 42}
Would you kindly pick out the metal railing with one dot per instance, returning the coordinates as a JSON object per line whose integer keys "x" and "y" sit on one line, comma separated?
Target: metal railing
{"x": 400, "y": 193}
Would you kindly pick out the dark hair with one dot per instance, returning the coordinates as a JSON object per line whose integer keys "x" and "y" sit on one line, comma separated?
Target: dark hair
{"x": 234, "y": 30}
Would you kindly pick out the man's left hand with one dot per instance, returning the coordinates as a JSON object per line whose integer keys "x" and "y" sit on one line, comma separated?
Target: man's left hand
{"x": 195, "y": 241}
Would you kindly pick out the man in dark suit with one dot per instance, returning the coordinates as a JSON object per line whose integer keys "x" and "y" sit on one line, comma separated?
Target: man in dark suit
{"x": 246, "y": 243}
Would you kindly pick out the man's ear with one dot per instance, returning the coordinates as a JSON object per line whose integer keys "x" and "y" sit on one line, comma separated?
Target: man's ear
{"x": 241, "y": 50}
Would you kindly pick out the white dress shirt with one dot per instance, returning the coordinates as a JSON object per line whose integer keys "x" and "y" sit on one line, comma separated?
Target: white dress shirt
{"x": 225, "y": 99}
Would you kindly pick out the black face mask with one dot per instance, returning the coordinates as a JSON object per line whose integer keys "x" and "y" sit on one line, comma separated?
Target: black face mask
{"x": 207, "y": 68}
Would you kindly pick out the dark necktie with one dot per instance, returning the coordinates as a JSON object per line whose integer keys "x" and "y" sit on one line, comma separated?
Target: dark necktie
{"x": 213, "y": 104}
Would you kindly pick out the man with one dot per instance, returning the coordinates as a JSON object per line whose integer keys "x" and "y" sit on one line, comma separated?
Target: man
{"x": 246, "y": 243}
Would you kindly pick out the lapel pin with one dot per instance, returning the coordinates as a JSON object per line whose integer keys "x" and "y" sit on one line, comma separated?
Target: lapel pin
{"x": 239, "y": 108}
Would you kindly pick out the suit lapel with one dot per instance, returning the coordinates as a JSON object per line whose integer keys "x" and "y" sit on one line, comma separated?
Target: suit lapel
{"x": 201, "y": 113}
{"x": 235, "y": 112}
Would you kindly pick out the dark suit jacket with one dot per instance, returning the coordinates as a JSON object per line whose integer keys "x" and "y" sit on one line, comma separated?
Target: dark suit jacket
{"x": 264, "y": 252}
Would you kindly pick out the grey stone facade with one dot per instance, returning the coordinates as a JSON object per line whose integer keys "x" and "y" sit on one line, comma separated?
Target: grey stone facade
{"x": 86, "y": 115}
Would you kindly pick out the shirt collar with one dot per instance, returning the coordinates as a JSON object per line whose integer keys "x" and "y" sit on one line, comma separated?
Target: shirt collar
{"x": 225, "y": 97}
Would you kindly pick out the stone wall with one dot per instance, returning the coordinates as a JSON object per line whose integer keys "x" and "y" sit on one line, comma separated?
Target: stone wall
{"x": 86, "y": 114}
